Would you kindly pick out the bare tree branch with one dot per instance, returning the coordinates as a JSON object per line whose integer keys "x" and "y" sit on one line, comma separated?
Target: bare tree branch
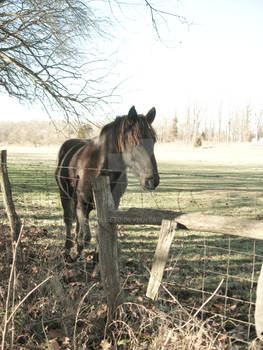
{"x": 48, "y": 52}
{"x": 162, "y": 14}
{"x": 41, "y": 57}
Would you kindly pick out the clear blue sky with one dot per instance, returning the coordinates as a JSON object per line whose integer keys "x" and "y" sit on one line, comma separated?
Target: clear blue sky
{"x": 215, "y": 60}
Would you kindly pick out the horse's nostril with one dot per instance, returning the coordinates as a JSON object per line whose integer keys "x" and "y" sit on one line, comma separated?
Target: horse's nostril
{"x": 149, "y": 183}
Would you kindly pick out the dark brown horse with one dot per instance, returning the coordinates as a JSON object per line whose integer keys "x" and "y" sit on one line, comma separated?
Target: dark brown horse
{"x": 127, "y": 142}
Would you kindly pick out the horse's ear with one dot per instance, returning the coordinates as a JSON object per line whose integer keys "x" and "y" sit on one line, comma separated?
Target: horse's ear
{"x": 151, "y": 115}
{"x": 132, "y": 115}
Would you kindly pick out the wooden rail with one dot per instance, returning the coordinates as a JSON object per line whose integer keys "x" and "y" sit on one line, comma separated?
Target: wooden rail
{"x": 193, "y": 221}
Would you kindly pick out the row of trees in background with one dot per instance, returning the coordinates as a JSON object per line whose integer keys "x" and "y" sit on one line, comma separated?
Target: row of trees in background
{"x": 191, "y": 127}
{"x": 195, "y": 125}
{"x": 41, "y": 133}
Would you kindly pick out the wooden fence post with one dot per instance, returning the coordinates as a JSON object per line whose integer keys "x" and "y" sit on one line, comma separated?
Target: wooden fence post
{"x": 108, "y": 244}
{"x": 13, "y": 218}
{"x": 259, "y": 306}
{"x": 160, "y": 257}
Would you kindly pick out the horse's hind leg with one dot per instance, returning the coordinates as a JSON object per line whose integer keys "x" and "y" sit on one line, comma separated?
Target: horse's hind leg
{"x": 83, "y": 235}
{"x": 68, "y": 219}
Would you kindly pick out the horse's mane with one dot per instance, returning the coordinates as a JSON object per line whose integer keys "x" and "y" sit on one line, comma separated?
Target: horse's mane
{"x": 122, "y": 131}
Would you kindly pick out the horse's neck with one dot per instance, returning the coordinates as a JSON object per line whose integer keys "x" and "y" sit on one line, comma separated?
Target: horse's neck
{"x": 112, "y": 159}
{"x": 113, "y": 162}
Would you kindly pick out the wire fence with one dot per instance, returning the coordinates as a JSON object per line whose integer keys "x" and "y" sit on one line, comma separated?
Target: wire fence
{"x": 199, "y": 262}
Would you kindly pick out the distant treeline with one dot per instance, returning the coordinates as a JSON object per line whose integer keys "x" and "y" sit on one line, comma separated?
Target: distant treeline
{"x": 190, "y": 127}
{"x": 40, "y": 133}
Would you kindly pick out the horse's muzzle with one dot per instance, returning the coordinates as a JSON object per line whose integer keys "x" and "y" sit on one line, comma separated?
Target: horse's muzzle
{"x": 150, "y": 183}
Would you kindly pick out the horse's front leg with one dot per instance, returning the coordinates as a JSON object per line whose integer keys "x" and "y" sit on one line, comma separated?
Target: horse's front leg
{"x": 83, "y": 235}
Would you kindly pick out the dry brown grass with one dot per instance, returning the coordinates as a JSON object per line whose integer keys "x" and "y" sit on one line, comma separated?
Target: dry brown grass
{"x": 68, "y": 311}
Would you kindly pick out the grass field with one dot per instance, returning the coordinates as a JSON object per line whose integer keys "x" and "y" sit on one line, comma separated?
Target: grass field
{"x": 221, "y": 180}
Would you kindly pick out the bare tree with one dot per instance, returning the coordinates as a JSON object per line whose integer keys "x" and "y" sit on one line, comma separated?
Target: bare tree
{"x": 42, "y": 55}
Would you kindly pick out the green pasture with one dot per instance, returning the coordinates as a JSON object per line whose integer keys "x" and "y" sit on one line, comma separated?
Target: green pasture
{"x": 198, "y": 261}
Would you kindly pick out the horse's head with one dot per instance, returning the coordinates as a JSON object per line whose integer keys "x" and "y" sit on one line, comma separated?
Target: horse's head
{"x": 137, "y": 147}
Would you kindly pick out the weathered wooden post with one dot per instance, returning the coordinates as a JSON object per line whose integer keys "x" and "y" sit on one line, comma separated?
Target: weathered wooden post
{"x": 259, "y": 306}
{"x": 108, "y": 244}
{"x": 160, "y": 257}
{"x": 15, "y": 223}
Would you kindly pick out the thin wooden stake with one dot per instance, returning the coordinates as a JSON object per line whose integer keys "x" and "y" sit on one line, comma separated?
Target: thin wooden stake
{"x": 160, "y": 257}
{"x": 13, "y": 218}
{"x": 259, "y": 306}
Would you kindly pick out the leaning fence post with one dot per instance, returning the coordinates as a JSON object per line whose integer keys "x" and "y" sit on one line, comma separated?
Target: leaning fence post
{"x": 108, "y": 244}
{"x": 259, "y": 306}
{"x": 160, "y": 257}
{"x": 13, "y": 218}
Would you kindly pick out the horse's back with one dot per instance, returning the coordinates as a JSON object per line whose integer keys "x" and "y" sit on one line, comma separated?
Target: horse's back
{"x": 70, "y": 145}
{"x": 63, "y": 174}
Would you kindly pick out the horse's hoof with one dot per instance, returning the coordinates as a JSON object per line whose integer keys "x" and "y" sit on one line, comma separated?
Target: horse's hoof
{"x": 87, "y": 240}
{"x": 79, "y": 249}
{"x": 69, "y": 244}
